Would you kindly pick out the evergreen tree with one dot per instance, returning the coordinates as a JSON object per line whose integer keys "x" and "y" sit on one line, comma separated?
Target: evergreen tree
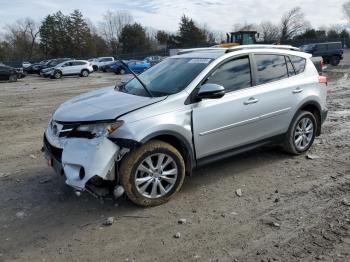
{"x": 134, "y": 39}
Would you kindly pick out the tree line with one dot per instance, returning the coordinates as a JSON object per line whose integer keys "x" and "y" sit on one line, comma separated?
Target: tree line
{"x": 73, "y": 35}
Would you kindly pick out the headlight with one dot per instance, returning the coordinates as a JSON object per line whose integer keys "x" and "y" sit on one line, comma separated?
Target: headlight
{"x": 100, "y": 130}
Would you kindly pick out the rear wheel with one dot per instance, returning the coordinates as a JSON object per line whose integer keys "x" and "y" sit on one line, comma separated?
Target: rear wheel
{"x": 152, "y": 174}
{"x": 301, "y": 133}
{"x": 335, "y": 60}
{"x": 122, "y": 71}
{"x": 85, "y": 73}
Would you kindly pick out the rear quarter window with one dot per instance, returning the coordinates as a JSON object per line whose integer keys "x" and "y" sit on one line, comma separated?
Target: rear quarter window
{"x": 299, "y": 63}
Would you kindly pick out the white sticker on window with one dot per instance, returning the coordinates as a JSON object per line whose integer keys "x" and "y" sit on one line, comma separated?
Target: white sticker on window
{"x": 199, "y": 61}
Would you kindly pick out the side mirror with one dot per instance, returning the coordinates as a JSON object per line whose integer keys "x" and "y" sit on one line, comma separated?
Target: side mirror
{"x": 211, "y": 91}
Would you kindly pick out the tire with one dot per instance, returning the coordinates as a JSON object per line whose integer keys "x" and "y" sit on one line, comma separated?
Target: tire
{"x": 297, "y": 130}
{"x": 122, "y": 71}
{"x": 84, "y": 73}
{"x": 13, "y": 78}
{"x": 335, "y": 60}
{"x": 57, "y": 75}
{"x": 129, "y": 173}
{"x": 95, "y": 68}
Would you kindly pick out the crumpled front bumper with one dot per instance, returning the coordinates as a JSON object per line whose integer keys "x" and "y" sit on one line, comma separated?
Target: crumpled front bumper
{"x": 83, "y": 159}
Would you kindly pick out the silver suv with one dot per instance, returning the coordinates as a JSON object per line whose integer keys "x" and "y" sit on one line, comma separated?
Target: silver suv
{"x": 144, "y": 136}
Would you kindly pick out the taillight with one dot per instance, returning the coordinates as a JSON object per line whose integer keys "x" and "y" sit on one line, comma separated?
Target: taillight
{"x": 323, "y": 80}
{"x": 322, "y": 63}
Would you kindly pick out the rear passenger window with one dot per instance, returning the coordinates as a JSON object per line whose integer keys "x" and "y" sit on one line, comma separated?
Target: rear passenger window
{"x": 233, "y": 75}
{"x": 270, "y": 68}
{"x": 299, "y": 63}
{"x": 291, "y": 71}
{"x": 77, "y": 63}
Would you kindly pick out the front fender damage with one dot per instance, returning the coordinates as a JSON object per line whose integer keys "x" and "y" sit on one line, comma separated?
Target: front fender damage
{"x": 83, "y": 159}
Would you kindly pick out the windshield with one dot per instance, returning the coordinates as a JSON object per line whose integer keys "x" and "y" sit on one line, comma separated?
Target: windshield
{"x": 168, "y": 77}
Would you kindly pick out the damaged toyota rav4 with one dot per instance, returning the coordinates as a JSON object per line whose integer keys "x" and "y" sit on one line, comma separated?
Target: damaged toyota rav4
{"x": 144, "y": 136}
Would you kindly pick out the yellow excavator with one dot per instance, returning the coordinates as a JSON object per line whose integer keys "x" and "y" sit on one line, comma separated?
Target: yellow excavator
{"x": 239, "y": 38}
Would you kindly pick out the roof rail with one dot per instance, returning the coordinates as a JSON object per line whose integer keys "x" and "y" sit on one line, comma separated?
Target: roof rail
{"x": 243, "y": 47}
{"x": 186, "y": 51}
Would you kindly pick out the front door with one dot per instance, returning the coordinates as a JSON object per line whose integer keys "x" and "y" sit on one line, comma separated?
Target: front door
{"x": 221, "y": 124}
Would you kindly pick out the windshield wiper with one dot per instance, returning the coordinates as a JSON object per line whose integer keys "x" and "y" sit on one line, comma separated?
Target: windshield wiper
{"x": 138, "y": 79}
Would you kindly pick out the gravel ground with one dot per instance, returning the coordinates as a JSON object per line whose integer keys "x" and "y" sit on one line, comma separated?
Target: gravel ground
{"x": 291, "y": 208}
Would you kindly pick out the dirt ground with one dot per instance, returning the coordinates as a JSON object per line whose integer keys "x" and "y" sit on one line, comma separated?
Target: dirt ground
{"x": 291, "y": 208}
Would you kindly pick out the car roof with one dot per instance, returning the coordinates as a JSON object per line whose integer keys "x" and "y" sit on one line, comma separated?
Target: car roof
{"x": 215, "y": 53}
{"x": 210, "y": 54}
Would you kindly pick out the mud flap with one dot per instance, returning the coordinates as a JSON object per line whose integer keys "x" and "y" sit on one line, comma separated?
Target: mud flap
{"x": 96, "y": 157}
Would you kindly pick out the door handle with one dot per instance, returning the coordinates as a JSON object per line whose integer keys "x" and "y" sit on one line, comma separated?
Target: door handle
{"x": 298, "y": 90}
{"x": 251, "y": 100}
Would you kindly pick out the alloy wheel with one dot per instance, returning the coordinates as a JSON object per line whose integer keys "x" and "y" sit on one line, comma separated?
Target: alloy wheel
{"x": 303, "y": 133}
{"x": 156, "y": 175}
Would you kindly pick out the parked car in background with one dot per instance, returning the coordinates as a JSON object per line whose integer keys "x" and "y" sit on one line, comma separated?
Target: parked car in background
{"x": 139, "y": 66}
{"x": 70, "y": 68}
{"x": 21, "y": 73}
{"x": 331, "y": 52}
{"x": 26, "y": 64}
{"x": 106, "y": 68}
{"x": 8, "y": 73}
{"x": 118, "y": 68}
{"x": 54, "y": 62}
{"x": 101, "y": 61}
{"x": 33, "y": 68}
{"x": 153, "y": 60}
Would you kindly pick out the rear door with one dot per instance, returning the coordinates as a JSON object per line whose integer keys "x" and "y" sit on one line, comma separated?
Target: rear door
{"x": 275, "y": 89}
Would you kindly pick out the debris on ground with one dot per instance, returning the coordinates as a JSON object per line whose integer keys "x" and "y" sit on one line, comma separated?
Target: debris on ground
{"x": 312, "y": 157}
{"x": 182, "y": 221}
{"x": 45, "y": 180}
{"x": 239, "y": 192}
{"x": 177, "y": 235}
{"x": 32, "y": 156}
{"x": 109, "y": 221}
{"x": 346, "y": 202}
{"x": 20, "y": 214}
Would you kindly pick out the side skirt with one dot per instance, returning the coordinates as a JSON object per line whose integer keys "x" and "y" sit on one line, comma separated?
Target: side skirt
{"x": 238, "y": 150}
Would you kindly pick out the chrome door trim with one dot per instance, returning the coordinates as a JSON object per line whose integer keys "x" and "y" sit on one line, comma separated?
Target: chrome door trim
{"x": 245, "y": 122}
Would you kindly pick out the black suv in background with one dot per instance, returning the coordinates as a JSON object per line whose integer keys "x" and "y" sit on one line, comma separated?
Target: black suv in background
{"x": 331, "y": 52}
{"x": 8, "y": 73}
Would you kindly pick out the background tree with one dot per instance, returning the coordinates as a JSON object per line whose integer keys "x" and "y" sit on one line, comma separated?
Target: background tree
{"x": 346, "y": 10}
{"x": 162, "y": 37}
{"x": 292, "y": 23}
{"x": 79, "y": 34}
{"x": 134, "y": 39}
{"x": 112, "y": 26}
{"x": 189, "y": 34}
{"x": 268, "y": 32}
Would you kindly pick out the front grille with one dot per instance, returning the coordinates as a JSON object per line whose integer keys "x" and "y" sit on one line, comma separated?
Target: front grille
{"x": 55, "y": 152}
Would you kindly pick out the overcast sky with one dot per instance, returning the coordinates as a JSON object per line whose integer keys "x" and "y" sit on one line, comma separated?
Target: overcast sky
{"x": 218, "y": 15}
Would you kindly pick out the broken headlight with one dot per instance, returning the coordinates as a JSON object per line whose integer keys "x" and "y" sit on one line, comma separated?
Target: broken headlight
{"x": 100, "y": 130}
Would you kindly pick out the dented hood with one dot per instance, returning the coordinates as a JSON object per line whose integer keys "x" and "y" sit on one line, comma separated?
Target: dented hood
{"x": 103, "y": 104}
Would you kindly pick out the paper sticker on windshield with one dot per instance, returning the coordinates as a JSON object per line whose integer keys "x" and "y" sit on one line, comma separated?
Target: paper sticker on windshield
{"x": 199, "y": 61}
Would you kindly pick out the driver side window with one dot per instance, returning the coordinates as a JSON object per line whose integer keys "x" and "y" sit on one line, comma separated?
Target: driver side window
{"x": 233, "y": 75}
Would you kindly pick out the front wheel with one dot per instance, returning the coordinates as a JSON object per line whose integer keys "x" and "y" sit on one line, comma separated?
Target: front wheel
{"x": 12, "y": 78}
{"x": 301, "y": 133}
{"x": 57, "y": 75}
{"x": 152, "y": 174}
